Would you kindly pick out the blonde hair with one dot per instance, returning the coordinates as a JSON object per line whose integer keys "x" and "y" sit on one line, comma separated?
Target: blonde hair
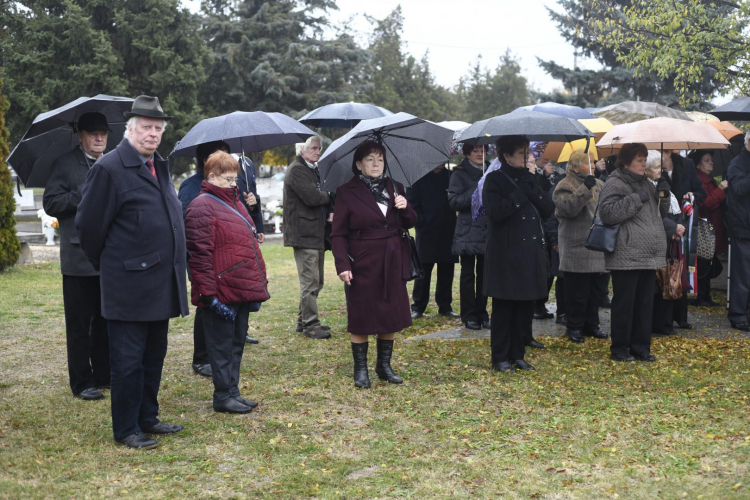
{"x": 577, "y": 158}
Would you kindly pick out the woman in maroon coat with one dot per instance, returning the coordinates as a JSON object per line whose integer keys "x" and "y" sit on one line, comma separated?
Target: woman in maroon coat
{"x": 712, "y": 208}
{"x": 372, "y": 256}
{"x": 227, "y": 273}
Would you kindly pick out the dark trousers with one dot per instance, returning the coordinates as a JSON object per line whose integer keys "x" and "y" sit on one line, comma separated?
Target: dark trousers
{"x": 541, "y": 302}
{"x": 473, "y": 303}
{"x": 443, "y": 289}
{"x": 739, "y": 283}
{"x": 603, "y": 284}
{"x": 200, "y": 352}
{"x": 85, "y": 333}
{"x": 632, "y": 306}
{"x": 137, "y": 350}
{"x": 225, "y": 341}
{"x": 582, "y": 298}
{"x": 704, "y": 272}
{"x": 560, "y": 295}
{"x": 511, "y": 326}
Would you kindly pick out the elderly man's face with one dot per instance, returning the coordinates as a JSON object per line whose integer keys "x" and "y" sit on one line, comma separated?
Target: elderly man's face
{"x": 93, "y": 143}
{"x": 312, "y": 152}
{"x": 146, "y": 135}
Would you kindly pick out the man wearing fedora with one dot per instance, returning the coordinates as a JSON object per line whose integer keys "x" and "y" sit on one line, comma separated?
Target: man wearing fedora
{"x": 85, "y": 329}
{"x": 130, "y": 226}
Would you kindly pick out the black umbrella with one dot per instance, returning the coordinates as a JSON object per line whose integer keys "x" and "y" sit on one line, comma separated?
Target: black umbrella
{"x": 244, "y": 132}
{"x": 738, "y": 110}
{"x": 413, "y": 148}
{"x": 343, "y": 115}
{"x": 535, "y": 126}
{"x": 51, "y": 135}
{"x": 555, "y": 108}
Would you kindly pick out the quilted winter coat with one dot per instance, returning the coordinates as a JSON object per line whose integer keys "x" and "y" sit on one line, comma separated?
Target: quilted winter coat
{"x": 224, "y": 255}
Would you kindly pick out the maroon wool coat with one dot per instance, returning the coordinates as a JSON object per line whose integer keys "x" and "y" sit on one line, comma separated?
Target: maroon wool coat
{"x": 374, "y": 249}
{"x": 225, "y": 258}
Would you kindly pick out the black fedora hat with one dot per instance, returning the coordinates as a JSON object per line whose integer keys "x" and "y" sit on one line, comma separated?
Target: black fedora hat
{"x": 147, "y": 106}
{"x": 91, "y": 122}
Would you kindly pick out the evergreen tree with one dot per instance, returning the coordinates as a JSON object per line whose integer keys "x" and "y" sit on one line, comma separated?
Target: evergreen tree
{"x": 10, "y": 247}
{"x": 486, "y": 93}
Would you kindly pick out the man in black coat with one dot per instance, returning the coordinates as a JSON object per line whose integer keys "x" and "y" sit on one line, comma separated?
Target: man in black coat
{"x": 130, "y": 226}
{"x": 85, "y": 329}
{"x": 189, "y": 190}
{"x": 738, "y": 225}
{"x": 436, "y": 222}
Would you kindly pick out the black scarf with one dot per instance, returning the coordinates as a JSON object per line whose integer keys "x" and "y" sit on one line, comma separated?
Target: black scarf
{"x": 377, "y": 187}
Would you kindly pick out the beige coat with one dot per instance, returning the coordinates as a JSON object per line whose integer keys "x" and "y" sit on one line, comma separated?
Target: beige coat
{"x": 575, "y": 205}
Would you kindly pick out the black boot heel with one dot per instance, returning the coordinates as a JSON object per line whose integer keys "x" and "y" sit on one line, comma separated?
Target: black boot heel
{"x": 383, "y": 365}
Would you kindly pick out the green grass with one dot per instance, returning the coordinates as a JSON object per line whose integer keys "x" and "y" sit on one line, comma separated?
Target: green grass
{"x": 580, "y": 426}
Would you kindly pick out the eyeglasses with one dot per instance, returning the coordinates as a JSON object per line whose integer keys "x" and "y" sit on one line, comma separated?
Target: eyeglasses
{"x": 230, "y": 180}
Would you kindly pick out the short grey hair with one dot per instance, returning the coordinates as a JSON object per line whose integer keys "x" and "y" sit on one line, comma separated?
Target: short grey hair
{"x": 653, "y": 159}
{"x": 747, "y": 139}
{"x": 301, "y": 147}
{"x": 131, "y": 123}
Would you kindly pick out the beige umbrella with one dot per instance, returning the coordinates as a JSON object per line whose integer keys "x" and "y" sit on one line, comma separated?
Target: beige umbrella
{"x": 700, "y": 116}
{"x": 662, "y": 133}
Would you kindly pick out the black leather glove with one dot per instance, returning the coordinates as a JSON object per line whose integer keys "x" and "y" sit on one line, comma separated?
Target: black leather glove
{"x": 662, "y": 185}
{"x": 527, "y": 184}
{"x": 643, "y": 195}
{"x": 589, "y": 182}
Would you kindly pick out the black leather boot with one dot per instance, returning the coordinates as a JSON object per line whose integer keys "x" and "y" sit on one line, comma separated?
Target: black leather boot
{"x": 383, "y": 365}
{"x": 361, "y": 377}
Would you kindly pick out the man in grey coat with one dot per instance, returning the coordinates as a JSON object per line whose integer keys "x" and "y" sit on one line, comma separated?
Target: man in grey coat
{"x": 306, "y": 209}
{"x": 85, "y": 329}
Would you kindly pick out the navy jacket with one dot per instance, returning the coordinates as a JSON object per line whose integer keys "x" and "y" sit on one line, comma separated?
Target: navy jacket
{"x": 191, "y": 188}
{"x": 738, "y": 196}
{"x": 131, "y": 228}
{"x": 436, "y": 221}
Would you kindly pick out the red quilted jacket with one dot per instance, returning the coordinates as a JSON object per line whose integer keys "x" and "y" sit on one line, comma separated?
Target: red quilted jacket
{"x": 225, "y": 259}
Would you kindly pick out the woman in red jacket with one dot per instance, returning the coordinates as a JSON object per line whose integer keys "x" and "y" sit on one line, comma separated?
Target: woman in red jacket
{"x": 372, "y": 256}
{"x": 227, "y": 273}
{"x": 712, "y": 209}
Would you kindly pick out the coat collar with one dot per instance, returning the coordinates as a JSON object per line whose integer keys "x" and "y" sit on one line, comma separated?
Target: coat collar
{"x": 228, "y": 195}
{"x": 131, "y": 159}
{"x": 366, "y": 196}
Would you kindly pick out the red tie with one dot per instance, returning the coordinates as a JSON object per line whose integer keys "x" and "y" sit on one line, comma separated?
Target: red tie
{"x": 150, "y": 165}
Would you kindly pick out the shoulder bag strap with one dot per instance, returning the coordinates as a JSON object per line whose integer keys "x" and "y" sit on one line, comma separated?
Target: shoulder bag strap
{"x": 249, "y": 226}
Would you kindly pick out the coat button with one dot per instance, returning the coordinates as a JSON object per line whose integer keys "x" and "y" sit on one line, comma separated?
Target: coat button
{"x": 533, "y": 237}
{"x": 517, "y": 205}
{"x": 385, "y": 224}
{"x": 143, "y": 264}
{"x": 523, "y": 217}
{"x": 175, "y": 229}
{"x": 533, "y": 217}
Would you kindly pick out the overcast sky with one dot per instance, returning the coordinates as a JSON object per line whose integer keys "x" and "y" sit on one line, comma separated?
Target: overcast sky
{"x": 456, "y": 33}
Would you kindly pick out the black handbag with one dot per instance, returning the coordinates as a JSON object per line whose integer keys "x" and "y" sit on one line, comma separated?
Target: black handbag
{"x": 602, "y": 237}
{"x": 416, "y": 271}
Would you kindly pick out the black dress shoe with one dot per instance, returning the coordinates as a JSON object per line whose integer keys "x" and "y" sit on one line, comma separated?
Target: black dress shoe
{"x": 322, "y": 327}
{"x": 606, "y": 303}
{"x": 575, "y": 336}
{"x": 204, "y": 370}
{"x": 246, "y": 402}
{"x": 163, "y": 429}
{"x": 664, "y": 331}
{"x": 139, "y": 441}
{"x": 523, "y": 365}
{"x": 561, "y": 319}
{"x": 597, "y": 334}
{"x": 535, "y": 344}
{"x": 702, "y": 303}
{"x": 503, "y": 366}
{"x": 416, "y": 315}
{"x": 744, "y": 326}
{"x": 644, "y": 357}
{"x": 450, "y": 314}
{"x": 90, "y": 394}
{"x": 486, "y": 325}
{"x": 543, "y": 314}
{"x": 618, "y": 357}
{"x": 684, "y": 325}
{"x": 231, "y": 406}
{"x": 473, "y": 325}
{"x": 250, "y": 340}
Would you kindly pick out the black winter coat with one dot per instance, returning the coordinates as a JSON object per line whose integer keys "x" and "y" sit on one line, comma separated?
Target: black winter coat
{"x": 470, "y": 236}
{"x": 436, "y": 220}
{"x": 516, "y": 262}
{"x": 61, "y": 198}
{"x": 131, "y": 228}
{"x": 685, "y": 180}
{"x": 738, "y": 196}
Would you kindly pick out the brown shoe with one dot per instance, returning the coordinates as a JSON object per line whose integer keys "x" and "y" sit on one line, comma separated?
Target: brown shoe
{"x": 317, "y": 333}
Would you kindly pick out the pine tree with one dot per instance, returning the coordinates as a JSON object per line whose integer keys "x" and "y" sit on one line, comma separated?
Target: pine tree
{"x": 488, "y": 93}
{"x": 10, "y": 247}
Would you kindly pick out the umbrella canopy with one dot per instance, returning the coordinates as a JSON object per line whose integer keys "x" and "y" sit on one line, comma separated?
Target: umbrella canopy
{"x": 634, "y": 111}
{"x": 727, "y": 129}
{"x": 413, "y": 148}
{"x": 534, "y": 125}
{"x": 700, "y": 116}
{"x": 554, "y": 108}
{"x": 454, "y": 125}
{"x": 244, "y": 132}
{"x": 738, "y": 110}
{"x": 662, "y": 133}
{"x": 51, "y": 135}
{"x": 722, "y": 157}
{"x": 559, "y": 152}
{"x": 343, "y": 115}
{"x": 599, "y": 126}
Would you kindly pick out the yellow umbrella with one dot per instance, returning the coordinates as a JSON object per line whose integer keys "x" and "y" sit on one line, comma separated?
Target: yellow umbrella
{"x": 599, "y": 126}
{"x": 559, "y": 152}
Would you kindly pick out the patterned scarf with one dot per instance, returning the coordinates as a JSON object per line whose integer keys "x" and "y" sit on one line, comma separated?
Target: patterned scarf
{"x": 376, "y": 185}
